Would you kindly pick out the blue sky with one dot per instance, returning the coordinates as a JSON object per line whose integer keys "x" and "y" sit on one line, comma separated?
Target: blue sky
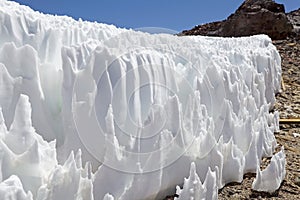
{"x": 171, "y": 14}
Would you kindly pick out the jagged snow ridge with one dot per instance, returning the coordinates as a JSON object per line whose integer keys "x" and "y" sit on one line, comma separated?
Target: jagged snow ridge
{"x": 194, "y": 189}
{"x": 269, "y": 179}
{"x": 25, "y": 154}
{"x": 12, "y": 188}
{"x": 213, "y": 110}
{"x": 70, "y": 181}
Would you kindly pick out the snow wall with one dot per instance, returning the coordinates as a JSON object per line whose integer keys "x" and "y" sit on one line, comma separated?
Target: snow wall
{"x": 91, "y": 111}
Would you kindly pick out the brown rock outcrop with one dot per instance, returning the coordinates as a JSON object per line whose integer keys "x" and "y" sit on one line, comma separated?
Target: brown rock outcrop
{"x": 294, "y": 18}
{"x": 209, "y": 29}
{"x": 258, "y": 17}
{"x": 251, "y": 18}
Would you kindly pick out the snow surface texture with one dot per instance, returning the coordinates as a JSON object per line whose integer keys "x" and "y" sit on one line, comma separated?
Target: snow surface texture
{"x": 140, "y": 110}
{"x": 265, "y": 180}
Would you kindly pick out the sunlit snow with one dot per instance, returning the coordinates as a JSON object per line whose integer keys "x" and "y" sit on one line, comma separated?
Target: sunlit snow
{"x": 91, "y": 111}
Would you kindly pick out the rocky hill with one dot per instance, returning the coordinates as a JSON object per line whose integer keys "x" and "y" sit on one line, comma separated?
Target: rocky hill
{"x": 251, "y": 18}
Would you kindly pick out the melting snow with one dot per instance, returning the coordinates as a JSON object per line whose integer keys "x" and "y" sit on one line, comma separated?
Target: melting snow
{"x": 140, "y": 110}
{"x": 270, "y": 179}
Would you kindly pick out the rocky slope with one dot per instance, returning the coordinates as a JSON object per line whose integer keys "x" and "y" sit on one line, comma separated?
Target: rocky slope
{"x": 294, "y": 18}
{"x": 273, "y": 21}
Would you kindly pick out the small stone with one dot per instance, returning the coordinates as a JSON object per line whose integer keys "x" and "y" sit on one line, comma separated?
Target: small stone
{"x": 296, "y": 134}
{"x": 297, "y": 181}
{"x": 291, "y": 44}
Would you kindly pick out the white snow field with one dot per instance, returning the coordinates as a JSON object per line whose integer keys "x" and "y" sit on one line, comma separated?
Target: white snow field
{"x": 91, "y": 111}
